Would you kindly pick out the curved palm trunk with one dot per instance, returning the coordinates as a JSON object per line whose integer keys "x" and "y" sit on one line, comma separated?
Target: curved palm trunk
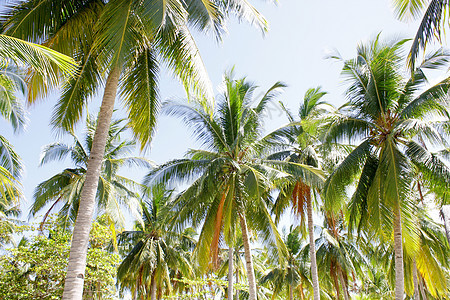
{"x": 230, "y": 273}
{"x": 312, "y": 250}
{"x": 248, "y": 260}
{"x": 398, "y": 252}
{"x": 445, "y": 213}
{"x": 73, "y": 287}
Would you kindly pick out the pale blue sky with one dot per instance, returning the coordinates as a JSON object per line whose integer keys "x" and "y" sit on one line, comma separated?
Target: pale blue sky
{"x": 301, "y": 34}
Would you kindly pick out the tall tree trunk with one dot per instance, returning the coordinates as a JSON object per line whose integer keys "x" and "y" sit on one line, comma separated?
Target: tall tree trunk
{"x": 154, "y": 287}
{"x": 416, "y": 282}
{"x": 398, "y": 252}
{"x": 445, "y": 214}
{"x": 248, "y": 260}
{"x": 230, "y": 272}
{"x": 312, "y": 250}
{"x": 343, "y": 284}
{"x": 291, "y": 292}
{"x": 73, "y": 287}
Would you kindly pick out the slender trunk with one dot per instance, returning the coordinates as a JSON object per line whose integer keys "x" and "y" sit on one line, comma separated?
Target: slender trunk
{"x": 291, "y": 292}
{"x": 302, "y": 295}
{"x": 398, "y": 252}
{"x": 445, "y": 214}
{"x": 154, "y": 287}
{"x": 73, "y": 287}
{"x": 230, "y": 272}
{"x": 343, "y": 284}
{"x": 248, "y": 260}
{"x": 312, "y": 251}
{"x": 416, "y": 282}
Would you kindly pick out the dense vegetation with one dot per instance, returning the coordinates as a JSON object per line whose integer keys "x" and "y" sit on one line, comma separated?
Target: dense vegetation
{"x": 210, "y": 225}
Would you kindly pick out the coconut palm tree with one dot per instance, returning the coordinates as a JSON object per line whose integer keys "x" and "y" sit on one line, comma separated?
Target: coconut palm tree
{"x": 338, "y": 253}
{"x": 114, "y": 191}
{"x": 302, "y": 145}
{"x": 229, "y": 180}
{"x": 146, "y": 269}
{"x": 385, "y": 115}
{"x": 126, "y": 40}
{"x": 293, "y": 275}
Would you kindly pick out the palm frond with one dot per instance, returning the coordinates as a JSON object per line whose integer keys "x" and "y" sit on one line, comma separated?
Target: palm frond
{"x": 406, "y": 9}
{"x": 11, "y": 107}
{"x": 10, "y": 190}
{"x": 429, "y": 27}
{"x": 432, "y": 101}
{"x": 181, "y": 54}
{"x": 335, "y": 186}
{"x": 139, "y": 90}
{"x": 9, "y": 159}
{"x": 76, "y": 92}
{"x": 54, "y": 152}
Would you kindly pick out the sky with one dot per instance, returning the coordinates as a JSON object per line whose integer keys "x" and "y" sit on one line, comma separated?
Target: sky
{"x": 302, "y": 33}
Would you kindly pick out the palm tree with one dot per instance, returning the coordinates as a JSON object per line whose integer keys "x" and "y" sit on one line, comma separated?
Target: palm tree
{"x": 146, "y": 268}
{"x": 386, "y": 114}
{"x": 64, "y": 188}
{"x": 302, "y": 147}
{"x": 338, "y": 253}
{"x": 292, "y": 275}
{"x": 124, "y": 39}
{"x": 230, "y": 179}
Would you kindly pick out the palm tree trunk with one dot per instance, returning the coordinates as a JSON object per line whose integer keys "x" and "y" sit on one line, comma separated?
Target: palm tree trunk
{"x": 312, "y": 250}
{"x": 445, "y": 214}
{"x": 416, "y": 282}
{"x": 230, "y": 272}
{"x": 248, "y": 260}
{"x": 291, "y": 292}
{"x": 73, "y": 287}
{"x": 398, "y": 252}
{"x": 154, "y": 287}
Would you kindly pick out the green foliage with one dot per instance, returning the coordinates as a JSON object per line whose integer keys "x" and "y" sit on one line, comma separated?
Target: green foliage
{"x": 36, "y": 268}
{"x": 114, "y": 191}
